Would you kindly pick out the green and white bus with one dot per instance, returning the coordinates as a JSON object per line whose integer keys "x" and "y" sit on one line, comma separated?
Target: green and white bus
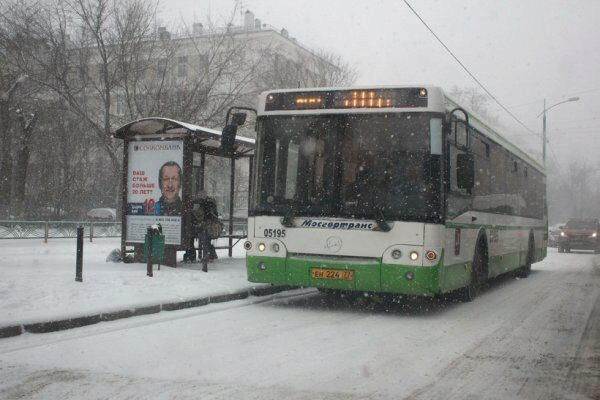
{"x": 388, "y": 189}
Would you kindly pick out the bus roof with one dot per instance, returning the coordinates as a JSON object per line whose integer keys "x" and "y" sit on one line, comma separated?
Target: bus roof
{"x": 438, "y": 101}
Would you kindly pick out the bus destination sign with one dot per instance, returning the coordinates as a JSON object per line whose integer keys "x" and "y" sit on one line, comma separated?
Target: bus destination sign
{"x": 347, "y": 99}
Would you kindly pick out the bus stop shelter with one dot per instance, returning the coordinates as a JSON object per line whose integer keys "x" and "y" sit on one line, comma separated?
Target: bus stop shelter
{"x": 163, "y": 172}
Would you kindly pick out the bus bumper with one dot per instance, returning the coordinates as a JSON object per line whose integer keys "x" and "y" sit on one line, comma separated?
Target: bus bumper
{"x": 367, "y": 276}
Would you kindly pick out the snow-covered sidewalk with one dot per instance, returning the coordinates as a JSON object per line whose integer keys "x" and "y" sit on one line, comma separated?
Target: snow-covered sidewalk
{"x": 38, "y": 281}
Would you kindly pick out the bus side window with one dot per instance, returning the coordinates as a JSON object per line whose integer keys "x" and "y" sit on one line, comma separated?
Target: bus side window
{"x": 453, "y": 154}
{"x": 461, "y": 134}
{"x": 458, "y": 199}
{"x": 482, "y": 188}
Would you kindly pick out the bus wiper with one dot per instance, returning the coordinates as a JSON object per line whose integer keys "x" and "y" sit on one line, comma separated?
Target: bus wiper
{"x": 381, "y": 222}
{"x": 288, "y": 219}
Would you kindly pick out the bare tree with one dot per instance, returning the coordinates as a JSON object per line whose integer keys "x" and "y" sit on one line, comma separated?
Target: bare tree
{"x": 66, "y": 170}
{"x": 77, "y": 55}
{"x": 96, "y": 64}
{"x": 27, "y": 123}
{"x": 476, "y": 101}
{"x": 6, "y": 100}
{"x": 305, "y": 69}
{"x": 330, "y": 69}
{"x": 195, "y": 76}
{"x": 73, "y": 51}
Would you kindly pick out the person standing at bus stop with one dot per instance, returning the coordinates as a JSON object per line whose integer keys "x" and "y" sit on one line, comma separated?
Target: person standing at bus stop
{"x": 206, "y": 226}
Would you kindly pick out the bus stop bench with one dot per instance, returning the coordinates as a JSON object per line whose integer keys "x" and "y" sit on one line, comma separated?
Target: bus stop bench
{"x": 237, "y": 238}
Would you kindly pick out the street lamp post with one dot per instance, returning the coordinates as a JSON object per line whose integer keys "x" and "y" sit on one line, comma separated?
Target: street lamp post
{"x": 544, "y": 123}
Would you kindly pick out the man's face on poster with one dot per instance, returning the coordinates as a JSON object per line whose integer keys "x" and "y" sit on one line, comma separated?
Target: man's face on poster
{"x": 170, "y": 183}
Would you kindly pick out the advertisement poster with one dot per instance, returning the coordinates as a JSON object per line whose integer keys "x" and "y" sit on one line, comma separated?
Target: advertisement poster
{"x": 154, "y": 181}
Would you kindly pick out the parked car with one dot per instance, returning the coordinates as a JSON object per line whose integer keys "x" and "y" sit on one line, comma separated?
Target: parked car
{"x": 580, "y": 234}
{"x": 50, "y": 213}
{"x": 102, "y": 214}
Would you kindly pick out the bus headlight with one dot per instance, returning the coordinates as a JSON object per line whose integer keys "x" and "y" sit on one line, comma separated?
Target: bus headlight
{"x": 261, "y": 247}
{"x": 414, "y": 255}
{"x": 275, "y": 247}
{"x": 262, "y": 266}
{"x": 396, "y": 254}
{"x": 594, "y": 234}
{"x": 431, "y": 255}
{"x": 247, "y": 245}
{"x": 563, "y": 234}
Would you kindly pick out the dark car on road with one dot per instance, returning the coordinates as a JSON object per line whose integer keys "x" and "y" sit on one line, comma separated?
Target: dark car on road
{"x": 580, "y": 234}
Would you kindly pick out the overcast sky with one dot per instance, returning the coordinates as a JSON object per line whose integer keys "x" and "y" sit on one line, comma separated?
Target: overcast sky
{"x": 522, "y": 51}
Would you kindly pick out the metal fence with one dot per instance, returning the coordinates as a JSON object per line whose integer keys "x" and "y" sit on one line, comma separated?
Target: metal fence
{"x": 68, "y": 229}
{"x": 57, "y": 229}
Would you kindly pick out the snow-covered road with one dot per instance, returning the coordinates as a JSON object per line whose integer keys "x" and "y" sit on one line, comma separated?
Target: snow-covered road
{"x": 530, "y": 338}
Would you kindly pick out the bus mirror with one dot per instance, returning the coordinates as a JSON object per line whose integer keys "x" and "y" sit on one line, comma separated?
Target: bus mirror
{"x": 465, "y": 171}
{"x": 228, "y": 138}
{"x": 238, "y": 119}
{"x": 461, "y": 132}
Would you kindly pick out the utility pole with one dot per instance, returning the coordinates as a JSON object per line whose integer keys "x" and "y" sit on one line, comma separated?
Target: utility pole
{"x": 544, "y": 135}
{"x": 544, "y": 124}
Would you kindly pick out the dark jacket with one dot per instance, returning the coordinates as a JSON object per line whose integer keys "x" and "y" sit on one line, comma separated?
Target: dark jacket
{"x": 206, "y": 217}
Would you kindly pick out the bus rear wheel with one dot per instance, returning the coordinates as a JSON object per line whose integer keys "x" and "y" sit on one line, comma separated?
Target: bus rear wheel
{"x": 525, "y": 270}
{"x": 478, "y": 277}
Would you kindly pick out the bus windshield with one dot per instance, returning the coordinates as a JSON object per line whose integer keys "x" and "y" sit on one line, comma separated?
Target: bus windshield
{"x": 353, "y": 166}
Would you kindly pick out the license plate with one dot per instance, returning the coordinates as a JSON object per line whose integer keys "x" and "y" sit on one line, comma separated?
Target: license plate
{"x": 334, "y": 274}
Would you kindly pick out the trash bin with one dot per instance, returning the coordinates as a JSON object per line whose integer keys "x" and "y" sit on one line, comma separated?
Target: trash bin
{"x": 158, "y": 247}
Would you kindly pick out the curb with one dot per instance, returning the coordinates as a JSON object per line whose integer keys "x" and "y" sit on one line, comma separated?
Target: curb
{"x": 146, "y": 310}
{"x": 77, "y": 322}
{"x": 61, "y": 325}
{"x": 111, "y": 316}
{"x": 180, "y": 305}
{"x": 267, "y": 290}
{"x": 9, "y": 331}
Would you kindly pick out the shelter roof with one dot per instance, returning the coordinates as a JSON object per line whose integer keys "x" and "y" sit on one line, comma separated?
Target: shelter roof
{"x": 203, "y": 139}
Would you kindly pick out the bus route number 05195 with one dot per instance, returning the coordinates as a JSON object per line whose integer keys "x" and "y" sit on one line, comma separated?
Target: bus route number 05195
{"x": 275, "y": 233}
